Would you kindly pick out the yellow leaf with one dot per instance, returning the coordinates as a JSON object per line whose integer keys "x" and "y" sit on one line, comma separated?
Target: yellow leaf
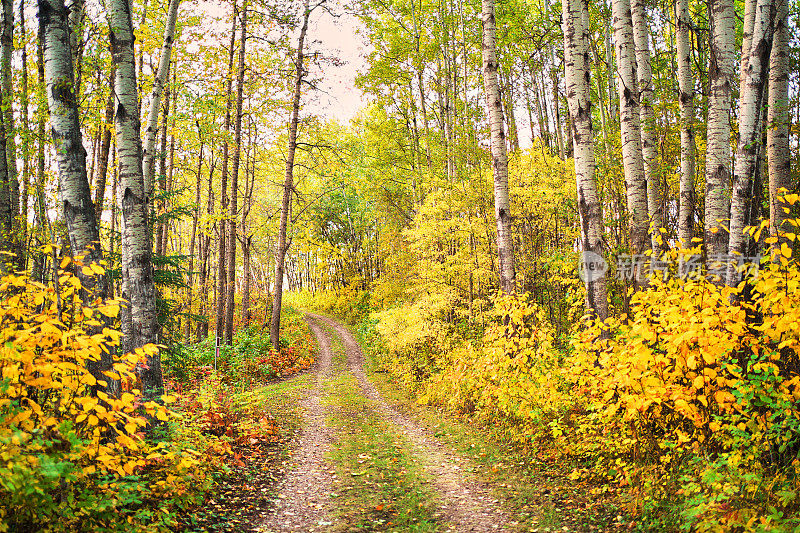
{"x": 86, "y": 271}
{"x": 698, "y": 382}
{"x": 97, "y": 269}
{"x": 162, "y": 415}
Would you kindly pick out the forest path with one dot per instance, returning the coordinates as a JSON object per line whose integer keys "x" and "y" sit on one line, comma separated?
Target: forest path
{"x": 458, "y": 502}
{"x": 304, "y": 495}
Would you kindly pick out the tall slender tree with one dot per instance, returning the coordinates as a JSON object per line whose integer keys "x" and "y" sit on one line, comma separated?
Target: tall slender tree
{"x": 155, "y": 96}
{"x": 778, "y": 116}
{"x": 494, "y": 107}
{"x": 74, "y": 191}
{"x": 644, "y": 80}
{"x": 288, "y": 182}
{"x": 751, "y": 95}
{"x": 6, "y": 80}
{"x": 686, "y": 103}
{"x": 230, "y": 259}
{"x": 139, "y": 316}
{"x": 222, "y": 273}
{"x": 575, "y": 14}
{"x": 632, "y": 159}
{"x": 718, "y": 154}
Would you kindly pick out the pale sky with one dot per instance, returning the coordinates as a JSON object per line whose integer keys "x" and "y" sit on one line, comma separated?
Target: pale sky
{"x": 337, "y": 37}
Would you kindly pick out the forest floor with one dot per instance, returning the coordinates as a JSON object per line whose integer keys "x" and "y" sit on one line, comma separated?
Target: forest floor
{"x": 349, "y": 460}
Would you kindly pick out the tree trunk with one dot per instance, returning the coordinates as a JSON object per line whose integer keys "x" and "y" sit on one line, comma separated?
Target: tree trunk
{"x": 155, "y": 97}
{"x": 288, "y": 184}
{"x": 202, "y": 328}
{"x": 6, "y": 73}
{"x": 160, "y": 208}
{"x": 219, "y": 327}
{"x": 632, "y": 159}
{"x": 105, "y": 149}
{"x": 193, "y": 239}
{"x": 230, "y": 260}
{"x": 26, "y": 133}
{"x": 139, "y": 317}
{"x": 505, "y": 245}
{"x": 580, "y": 107}
{"x": 75, "y": 194}
{"x": 778, "y": 118}
{"x": 718, "y": 157}
{"x": 686, "y": 102}
{"x": 647, "y": 122}
{"x": 751, "y": 95}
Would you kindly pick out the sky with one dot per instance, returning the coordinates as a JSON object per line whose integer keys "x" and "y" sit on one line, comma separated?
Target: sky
{"x": 340, "y": 99}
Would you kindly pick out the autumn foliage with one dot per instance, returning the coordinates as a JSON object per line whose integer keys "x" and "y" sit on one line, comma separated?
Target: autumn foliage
{"x": 72, "y": 457}
{"x": 687, "y": 409}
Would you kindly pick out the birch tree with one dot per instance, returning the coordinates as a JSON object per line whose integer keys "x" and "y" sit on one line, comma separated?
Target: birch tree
{"x": 718, "y": 157}
{"x": 155, "y": 96}
{"x": 580, "y": 109}
{"x": 139, "y": 316}
{"x": 630, "y": 132}
{"x": 502, "y": 205}
{"x": 70, "y": 157}
{"x": 644, "y": 79}
{"x": 686, "y": 103}
{"x": 753, "y": 80}
{"x": 778, "y": 116}
{"x": 288, "y": 182}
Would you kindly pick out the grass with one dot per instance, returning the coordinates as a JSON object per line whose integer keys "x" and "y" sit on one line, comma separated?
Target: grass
{"x": 383, "y": 488}
{"x": 538, "y": 493}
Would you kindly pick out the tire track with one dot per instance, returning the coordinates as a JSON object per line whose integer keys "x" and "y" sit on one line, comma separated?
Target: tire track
{"x": 465, "y": 502}
{"x": 304, "y": 501}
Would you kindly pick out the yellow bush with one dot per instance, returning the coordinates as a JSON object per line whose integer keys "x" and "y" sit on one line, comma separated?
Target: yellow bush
{"x": 71, "y": 456}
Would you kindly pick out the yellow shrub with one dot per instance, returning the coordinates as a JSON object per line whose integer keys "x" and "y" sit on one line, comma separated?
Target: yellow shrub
{"x": 72, "y": 458}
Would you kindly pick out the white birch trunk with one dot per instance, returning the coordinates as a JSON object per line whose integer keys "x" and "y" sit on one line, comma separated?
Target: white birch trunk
{"x": 630, "y": 132}
{"x": 778, "y": 117}
{"x": 502, "y": 207}
{"x": 139, "y": 317}
{"x": 686, "y": 103}
{"x": 580, "y": 109}
{"x": 718, "y": 153}
{"x": 155, "y": 97}
{"x": 70, "y": 156}
{"x": 644, "y": 78}
{"x": 751, "y": 97}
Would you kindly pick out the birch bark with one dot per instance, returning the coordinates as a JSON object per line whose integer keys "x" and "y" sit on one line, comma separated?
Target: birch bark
{"x": 155, "y": 97}
{"x": 139, "y": 317}
{"x": 632, "y": 159}
{"x": 718, "y": 155}
{"x": 778, "y": 117}
{"x": 74, "y": 191}
{"x": 686, "y": 103}
{"x": 644, "y": 78}
{"x": 580, "y": 109}
{"x": 502, "y": 207}
{"x": 751, "y": 94}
